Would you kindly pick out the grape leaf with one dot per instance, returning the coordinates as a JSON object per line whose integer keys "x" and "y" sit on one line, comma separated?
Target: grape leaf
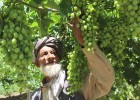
{"x": 55, "y": 17}
{"x": 51, "y": 4}
{"x": 34, "y": 24}
{"x": 65, "y": 7}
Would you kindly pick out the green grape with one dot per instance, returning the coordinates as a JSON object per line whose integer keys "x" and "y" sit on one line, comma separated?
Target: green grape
{"x": 5, "y": 27}
{"x": 78, "y": 13}
{"x": 130, "y": 7}
{"x": 17, "y": 29}
{"x": 138, "y": 19}
{"x": 24, "y": 31}
{"x": 26, "y": 49}
{"x": 20, "y": 37}
{"x": 14, "y": 41}
{"x": 89, "y": 49}
{"x": 18, "y": 62}
{"x": 137, "y": 29}
{"x": 116, "y": 3}
{"x": 89, "y": 44}
{"x": 131, "y": 19}
{"x": 75, "y": 8}
{"x": 21, "y": 56}
{"x": 24, "y": 61}
{"x": 85, "y": 27}
{"x": 15, "y": 35}
{"x": 3, "y": 42}
{"x": 72, "y": 15}
{"x": 17, "y": 50}
{"x": 135, "y": 7}
{"x": 88, "y": 19}
{"x": 132, "y": 13}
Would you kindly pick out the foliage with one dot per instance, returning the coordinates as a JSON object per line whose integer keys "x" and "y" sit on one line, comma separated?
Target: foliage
{"x": 111, "y": 24}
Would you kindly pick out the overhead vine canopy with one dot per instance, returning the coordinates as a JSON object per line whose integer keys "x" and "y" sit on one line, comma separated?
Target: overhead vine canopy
{"x": 113, "y": 25}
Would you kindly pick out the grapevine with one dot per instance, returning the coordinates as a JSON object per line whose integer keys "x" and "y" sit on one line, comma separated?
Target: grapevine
{"x": 114, "y": 25}
{"x": 108, "y": 24}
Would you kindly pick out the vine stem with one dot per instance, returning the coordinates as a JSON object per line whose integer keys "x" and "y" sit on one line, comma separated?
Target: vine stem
{"x": 29, "y": 5}
{"x": 36, "y": 7}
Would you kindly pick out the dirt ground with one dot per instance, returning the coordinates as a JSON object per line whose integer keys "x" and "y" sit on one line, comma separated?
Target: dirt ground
{"x": 14, "y": 97}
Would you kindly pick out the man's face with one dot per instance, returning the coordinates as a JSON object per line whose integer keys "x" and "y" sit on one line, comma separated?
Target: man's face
{"x": 47, "y": 55}
{"x": 48, "y": 61}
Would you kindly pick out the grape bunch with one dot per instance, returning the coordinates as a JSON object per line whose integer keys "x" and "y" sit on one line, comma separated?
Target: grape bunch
{"x": 114, "y": 36}
{"x": 77, "y": 69}
{"x": 87, "y": 11}
{"x": 122, "y": 24}
{"x": 16, "y": 42}
{"x": 130, "y": 9}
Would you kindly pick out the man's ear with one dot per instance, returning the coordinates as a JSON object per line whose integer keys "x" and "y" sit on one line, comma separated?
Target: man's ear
{"x": 36, "y": 62}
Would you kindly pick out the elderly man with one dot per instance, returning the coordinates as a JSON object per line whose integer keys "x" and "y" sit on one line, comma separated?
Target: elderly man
{"x": 48, "y": 53}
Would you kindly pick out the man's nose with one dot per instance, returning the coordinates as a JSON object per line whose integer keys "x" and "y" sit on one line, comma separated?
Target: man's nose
{"x": 51, "y": 57}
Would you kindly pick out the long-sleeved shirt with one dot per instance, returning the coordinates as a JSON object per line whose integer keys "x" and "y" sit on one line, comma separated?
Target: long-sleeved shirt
{"x": 101, "y": 77}
{"x": 97, "y": 83}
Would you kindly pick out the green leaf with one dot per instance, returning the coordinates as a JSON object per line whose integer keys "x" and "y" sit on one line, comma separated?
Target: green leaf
{"x": 56, "y": 18}
{"x": 34, "y": 24}
{"x": 65, "y": 7}
{"x": 51, "y": 4}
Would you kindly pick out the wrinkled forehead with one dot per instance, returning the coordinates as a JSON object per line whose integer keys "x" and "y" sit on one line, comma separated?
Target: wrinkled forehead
{"x": 45, "y": 49}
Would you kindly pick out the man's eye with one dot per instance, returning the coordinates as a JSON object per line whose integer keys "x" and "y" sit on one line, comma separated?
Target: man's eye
{"x": 43, "y": 54}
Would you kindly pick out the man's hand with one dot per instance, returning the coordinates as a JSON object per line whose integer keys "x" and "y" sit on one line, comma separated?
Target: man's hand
{"x": 77, "y": 32}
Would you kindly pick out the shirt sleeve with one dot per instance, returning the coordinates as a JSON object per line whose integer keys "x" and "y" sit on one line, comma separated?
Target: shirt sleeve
{"x": 101, "y": 77}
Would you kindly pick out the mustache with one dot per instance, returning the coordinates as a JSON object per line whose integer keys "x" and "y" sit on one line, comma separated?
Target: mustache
{"x": 49, "y": 64}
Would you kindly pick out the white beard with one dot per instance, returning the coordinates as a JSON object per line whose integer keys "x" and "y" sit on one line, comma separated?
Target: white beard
{"x": 50, "y": 70}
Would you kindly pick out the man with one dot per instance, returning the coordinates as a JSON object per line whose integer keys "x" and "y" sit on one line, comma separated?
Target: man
{"x": 48, "y": 53}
